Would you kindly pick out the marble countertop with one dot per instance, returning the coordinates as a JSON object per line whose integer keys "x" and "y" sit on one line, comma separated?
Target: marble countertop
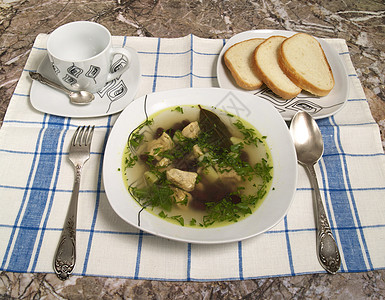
{"x": 360, "y": 23}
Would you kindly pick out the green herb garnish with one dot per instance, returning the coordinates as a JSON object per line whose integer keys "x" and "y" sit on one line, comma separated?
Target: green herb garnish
{"x": 178, "y": 218}
{"x": 178, "y": 109}
{"x": 136, "y": 136}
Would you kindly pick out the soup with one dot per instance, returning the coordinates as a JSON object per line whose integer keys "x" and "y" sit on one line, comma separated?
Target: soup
{"x": 197, "y": 166}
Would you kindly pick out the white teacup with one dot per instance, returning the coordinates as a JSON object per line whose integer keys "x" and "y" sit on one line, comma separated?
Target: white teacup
{"x": 82, "y": 56}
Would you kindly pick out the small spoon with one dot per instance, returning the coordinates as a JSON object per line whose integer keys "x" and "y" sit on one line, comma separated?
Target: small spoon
{"x": 309, "y": 147}
{"x": 80, "y": 98}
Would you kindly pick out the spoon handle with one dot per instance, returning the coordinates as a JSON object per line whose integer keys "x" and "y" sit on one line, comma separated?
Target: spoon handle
{"x": 327, "y": 249}
{"x": 38, "y": 77}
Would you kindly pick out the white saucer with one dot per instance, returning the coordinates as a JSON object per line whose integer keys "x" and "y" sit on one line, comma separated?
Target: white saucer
{"x": 318, "y": 107}
{"x": 113, "y": 98}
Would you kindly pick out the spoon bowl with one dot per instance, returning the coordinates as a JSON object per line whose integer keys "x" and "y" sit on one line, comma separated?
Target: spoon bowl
{"x": 307, "y": 138}
{"x": 309, "y": 146}
{"x": 79, "y": 98}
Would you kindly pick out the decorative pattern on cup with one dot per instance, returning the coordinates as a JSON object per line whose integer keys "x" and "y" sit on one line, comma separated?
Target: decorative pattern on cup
{"x": 70, "y": 80}
{"x": 55, "y": 69}
{"x": 93, "y": 72}
{"x": 74, "y": 71}
{"x": 119, "y": 64}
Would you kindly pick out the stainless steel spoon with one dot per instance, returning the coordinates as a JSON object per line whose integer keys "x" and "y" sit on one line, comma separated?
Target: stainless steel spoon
{"x": 309, "y": 147}
{"x": 80, "y": 98}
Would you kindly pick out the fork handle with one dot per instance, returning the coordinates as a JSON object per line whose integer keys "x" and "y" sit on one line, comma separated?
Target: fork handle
{"x": 65, "y": 257}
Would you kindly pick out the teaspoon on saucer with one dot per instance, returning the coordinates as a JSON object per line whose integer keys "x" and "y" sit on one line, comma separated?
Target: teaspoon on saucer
{"x": 309, "y": 146}
{"x": 79, "y": 98}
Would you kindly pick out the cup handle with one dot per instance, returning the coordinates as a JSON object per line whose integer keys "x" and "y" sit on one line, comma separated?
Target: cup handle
{"x": 127, "y": 55}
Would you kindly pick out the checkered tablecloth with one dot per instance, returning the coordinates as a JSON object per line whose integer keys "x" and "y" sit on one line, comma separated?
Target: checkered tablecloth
{"x": 36, "y": 181}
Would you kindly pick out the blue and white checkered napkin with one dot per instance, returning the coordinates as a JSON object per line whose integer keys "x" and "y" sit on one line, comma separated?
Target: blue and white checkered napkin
{"x": 36, "y": 181}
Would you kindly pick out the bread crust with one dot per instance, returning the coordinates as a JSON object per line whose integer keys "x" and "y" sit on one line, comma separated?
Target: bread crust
{"x": 296, "y": 77}
{"x": 270, "y": 82}
{"x": 237, "y": 77}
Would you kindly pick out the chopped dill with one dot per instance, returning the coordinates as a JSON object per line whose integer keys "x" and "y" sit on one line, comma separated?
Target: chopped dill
{"x": 178, "y": 109}
{"x": 136, "y": 137}
{"x": 178, "y": 218}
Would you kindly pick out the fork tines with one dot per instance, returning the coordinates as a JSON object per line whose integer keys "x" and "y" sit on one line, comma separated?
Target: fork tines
{"x": 83, "y": 135}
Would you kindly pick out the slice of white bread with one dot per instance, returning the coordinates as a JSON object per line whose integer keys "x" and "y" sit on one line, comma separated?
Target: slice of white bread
{"x": 304, "y": 62}
{"x": 268, "y": 69}
{"x": 239, "y": 60}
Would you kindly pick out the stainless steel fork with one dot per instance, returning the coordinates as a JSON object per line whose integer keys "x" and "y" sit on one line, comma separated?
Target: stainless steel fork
{"x": 65, "y": 257}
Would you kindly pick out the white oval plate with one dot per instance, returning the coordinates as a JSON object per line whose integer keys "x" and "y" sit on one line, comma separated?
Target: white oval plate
{"x": 260, "y": 113}
{"x": 318, "y": 107}
{"x": 113, "y": 98}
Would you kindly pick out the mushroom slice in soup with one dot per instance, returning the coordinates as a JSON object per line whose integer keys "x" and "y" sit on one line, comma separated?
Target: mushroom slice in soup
{"x": 163, "y": 143}
{"x": 191, "y": 131}
{"x": 183, "y": 179}
{"x": 182, "y": 198}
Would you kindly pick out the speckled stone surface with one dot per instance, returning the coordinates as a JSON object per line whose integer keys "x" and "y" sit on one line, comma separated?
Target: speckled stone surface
{"x": 360, "y": 23}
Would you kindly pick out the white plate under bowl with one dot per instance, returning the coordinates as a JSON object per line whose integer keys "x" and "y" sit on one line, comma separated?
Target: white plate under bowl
{"x": 318, "y": 107}
{"x": 113, "y": 98}
{"x": 260, "y": 113}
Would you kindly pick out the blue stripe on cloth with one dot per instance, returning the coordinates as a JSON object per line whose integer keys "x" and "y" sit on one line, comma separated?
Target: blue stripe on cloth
{"x": 188, "y": 275}
{"x": 240, "y": 260}
{"x": 104, "y": 126}
{"x": 289, "y": 254}
{"x": 39, "y": 48}
{"x": 44, "y": 227}
{"x": 382, "y": 188}
{"x": 5, "y": 258}
{"x": 150, "y": 235}
{"x": 352, "y": 196}
{"x": 156, "y": 66}
{"x": 157, "y": 52}
{"x": 37, "y": 200}
{"x": 23, "y": 122}
{"x": 178, "y": 53}
{"x": 357, "y": 99}
{"x": 81, "y": 230}
{"x": 43, "y": 123}
{"x": 356, "y": 155}
{"x": 100, "y": 153}
{"x": 20, "y": 95}
{"x": 177, "y": 76}
{"x": 205, "y": 54}
{"x": 345, "y": 189}
{"x": 33, "y": 153}
{"x": 97, "y": 200}
{"x": 191, "y": 59}
{"x": 138, "y": 255}
{"x": 50, "y": 190}
{"x": 27, "y": 152}
{"x": 341, "y": 197}
{"x": 163, "y": 53}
